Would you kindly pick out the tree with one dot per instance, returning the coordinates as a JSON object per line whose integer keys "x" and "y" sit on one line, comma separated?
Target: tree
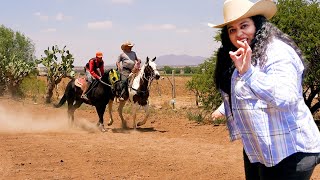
{"x": 187, "y": 69}
{"x": 2, "y": 76}
{"x": 59, "y": 63}
{"x": 167, "y": 69}
{"x": 16, "y": 59}
{"x": 202, "y": 84}
{"x": 300, "y": 19}
{"x": 177, "y": 70}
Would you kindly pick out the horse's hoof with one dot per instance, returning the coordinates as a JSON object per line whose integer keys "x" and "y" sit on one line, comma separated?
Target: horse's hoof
{"x": 101, "y": 127}
{"x": 110, "y": 123}
{"x": 71, "y": 125}
{"x": 103, "y": 130}
{"x": 140, "y": 124}
{"x": 124, "y": 127}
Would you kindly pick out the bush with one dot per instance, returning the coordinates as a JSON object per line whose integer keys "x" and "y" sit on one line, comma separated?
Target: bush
{"x": 197, "y": 117}
{"x": 204, "y": 117}
{"x": 32, "y": 87}
{"x": 202, "y": 84}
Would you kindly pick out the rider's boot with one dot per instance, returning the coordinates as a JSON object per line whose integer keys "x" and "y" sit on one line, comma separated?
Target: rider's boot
{"x": 122, "y": 94}
{"x": 123, "y": 90}
{"x": 120, "y": 97}
{"x": 84, "y": 95}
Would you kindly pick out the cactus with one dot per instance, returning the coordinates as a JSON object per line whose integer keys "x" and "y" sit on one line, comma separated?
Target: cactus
{"x": 16, "y": 71}
{"x": 16, "y": 59}
{"x": 58, "y": 62}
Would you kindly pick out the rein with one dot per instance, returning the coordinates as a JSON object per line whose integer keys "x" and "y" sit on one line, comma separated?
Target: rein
{"x": 104, "y": 83}
{"x": 107, "y": 84}
{"x": 148, "y": 87}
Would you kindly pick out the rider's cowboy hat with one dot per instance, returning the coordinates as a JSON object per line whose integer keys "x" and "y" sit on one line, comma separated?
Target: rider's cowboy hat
{"x": 127, "y": 44}
{"x": 239, "y": 9}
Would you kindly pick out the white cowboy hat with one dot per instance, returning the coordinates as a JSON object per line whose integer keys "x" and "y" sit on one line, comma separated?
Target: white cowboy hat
{"x": 128, "y": 43}
{"x": 239, "y": 9}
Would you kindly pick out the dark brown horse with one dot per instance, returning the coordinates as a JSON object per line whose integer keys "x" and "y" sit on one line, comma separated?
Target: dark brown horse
{"x": 99, "y": 95}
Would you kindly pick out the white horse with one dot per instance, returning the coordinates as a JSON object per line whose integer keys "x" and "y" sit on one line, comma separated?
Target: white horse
{"x": 138, "y": 93}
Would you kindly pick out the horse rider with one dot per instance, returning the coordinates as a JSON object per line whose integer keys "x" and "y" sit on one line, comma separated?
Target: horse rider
{"x": 126, "y": 63}
{"x": 94, "y": 70}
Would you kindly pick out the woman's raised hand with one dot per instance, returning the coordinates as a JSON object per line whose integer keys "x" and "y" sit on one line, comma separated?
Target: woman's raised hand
{"x": 242, "y": 57}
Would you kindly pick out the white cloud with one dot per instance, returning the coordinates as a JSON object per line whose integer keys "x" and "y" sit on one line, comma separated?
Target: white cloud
{"x": 100, "y": 25}
{"x": 61, "y": 17}
{"x": 50, "y": 30}
{"x": 153, "y": 27}
{"x": 183, "y": 31}
{"x": 167, "y": 26}
{"x": 41, "y": 17}
{"x": 122, "y": 1}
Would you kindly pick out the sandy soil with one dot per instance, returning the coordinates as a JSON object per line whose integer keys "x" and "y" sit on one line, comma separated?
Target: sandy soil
{"x": 36, "y": 143}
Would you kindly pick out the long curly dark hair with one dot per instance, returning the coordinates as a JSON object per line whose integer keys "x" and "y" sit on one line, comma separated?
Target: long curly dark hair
{"x": 265, "y": 32}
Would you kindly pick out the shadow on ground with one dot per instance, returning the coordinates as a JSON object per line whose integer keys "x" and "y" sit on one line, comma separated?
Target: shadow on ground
{"x": 139, "y": 129}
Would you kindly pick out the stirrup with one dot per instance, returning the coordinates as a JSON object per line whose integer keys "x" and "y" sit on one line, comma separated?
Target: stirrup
{"x": 85, "y": 97}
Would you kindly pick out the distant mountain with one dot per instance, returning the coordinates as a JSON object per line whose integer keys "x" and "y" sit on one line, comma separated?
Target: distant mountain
{"x": 179, "y": 60}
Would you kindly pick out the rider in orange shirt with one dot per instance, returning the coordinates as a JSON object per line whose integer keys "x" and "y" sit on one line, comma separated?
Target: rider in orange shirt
{"x": 94, "y": 71}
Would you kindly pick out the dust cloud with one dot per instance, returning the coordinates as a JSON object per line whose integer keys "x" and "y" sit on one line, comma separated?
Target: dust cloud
{"x": 23, "y": 121}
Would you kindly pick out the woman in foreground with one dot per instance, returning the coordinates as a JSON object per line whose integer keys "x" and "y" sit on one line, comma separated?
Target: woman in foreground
{"x": 259, "y": 74}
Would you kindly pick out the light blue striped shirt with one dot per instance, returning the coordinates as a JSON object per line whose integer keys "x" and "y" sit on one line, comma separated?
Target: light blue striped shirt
{"x": 268, "y": 110}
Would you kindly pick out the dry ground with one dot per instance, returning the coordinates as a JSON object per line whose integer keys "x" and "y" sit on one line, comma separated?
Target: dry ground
{"x": 36, "y": 143}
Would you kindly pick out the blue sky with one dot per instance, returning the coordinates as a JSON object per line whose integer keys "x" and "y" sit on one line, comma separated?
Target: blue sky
{"x": 85, "y": 26}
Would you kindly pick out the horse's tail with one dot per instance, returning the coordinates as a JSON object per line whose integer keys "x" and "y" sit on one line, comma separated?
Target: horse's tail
{"x": 62, "y": 101}
{"x": 65, "y": 95}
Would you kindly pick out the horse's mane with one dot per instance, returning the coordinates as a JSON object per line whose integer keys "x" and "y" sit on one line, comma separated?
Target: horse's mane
{"x": 145, "y": 65}
{"x": 105, "y": 76}
{"x": 142, "y": 69}
{"x": 140, "y": 75}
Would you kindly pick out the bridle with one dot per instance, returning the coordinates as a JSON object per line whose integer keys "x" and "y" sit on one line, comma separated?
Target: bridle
{"x": 148, "y": 70}
{"x": 148, "y": 75}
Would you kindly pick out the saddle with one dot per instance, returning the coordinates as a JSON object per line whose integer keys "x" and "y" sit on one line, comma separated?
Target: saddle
{"x": 80, "y": 81}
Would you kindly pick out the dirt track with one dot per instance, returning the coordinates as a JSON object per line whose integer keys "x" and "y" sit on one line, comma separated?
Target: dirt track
{"x": 36, "y": 143}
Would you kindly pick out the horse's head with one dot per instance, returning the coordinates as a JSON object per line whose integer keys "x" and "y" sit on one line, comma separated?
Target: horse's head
{"x": 111, "y": 77}
{"x": 150, "y": 69}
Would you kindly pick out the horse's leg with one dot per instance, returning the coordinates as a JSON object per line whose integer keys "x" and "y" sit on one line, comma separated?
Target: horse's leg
{"x": 134, "y": 114}
{"x": 146, "y": 110}
{"x": 70, "y": 112}
{"x": 71, "y": 109}
{"x": 70, "y": 115}
{"x": 110, "y": 112}
{"x": 120, "y": 108}
{"x": 100, "y": 110}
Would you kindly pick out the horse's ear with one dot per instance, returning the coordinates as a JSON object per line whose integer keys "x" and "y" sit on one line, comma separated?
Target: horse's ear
{"x": 147, "y": 60}
{"x": 154, "y": 59}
